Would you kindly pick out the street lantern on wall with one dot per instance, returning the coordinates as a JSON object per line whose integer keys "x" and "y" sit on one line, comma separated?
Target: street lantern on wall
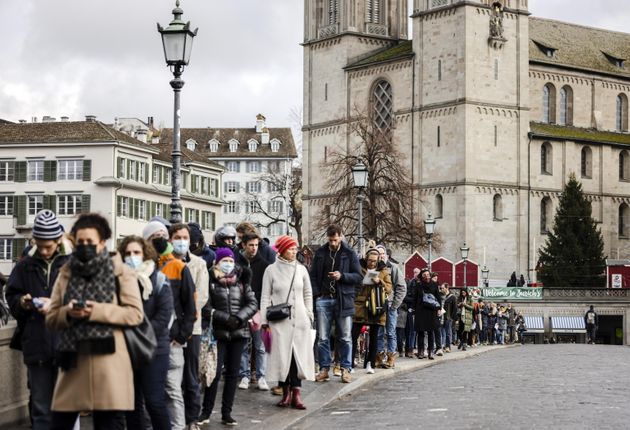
{"x": 464, "y": 250}
{"x": 360, "y": 180}
{"x": 429, "y": 229}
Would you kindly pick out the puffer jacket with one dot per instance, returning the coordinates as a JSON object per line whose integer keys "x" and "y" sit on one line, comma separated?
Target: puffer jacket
{"x": 236, "y": 300}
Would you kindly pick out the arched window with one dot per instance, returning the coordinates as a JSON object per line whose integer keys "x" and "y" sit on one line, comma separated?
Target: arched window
{"x": 549, "y": 104}
{"x": 213, "y": 145}
{"x": 233, "y": 145}
{"x": 191, "y": 144}
{"x": 383, "y": 106}
{"x": 546, "y": 159}
{"x": 439, "y": 206}
{"x": 545, "y": 215}
{"x": 497, "y": 208}
{"x": 624, "y": 214}
{"x": 566, "y": 105}
{"x": 624, "y": 165}
{"x": 252, "y": 144}
{"x": 586, "y": 166}
{"x": 621, "y": 113}
{"x": 275, "y": 145}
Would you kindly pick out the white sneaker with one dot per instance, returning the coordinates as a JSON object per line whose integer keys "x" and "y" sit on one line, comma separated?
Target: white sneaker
{"x": 244, "y": 385}
{"x": 439, "y": 352}
{"x": 369, "y": 369}
{"x": 262, "y": 384}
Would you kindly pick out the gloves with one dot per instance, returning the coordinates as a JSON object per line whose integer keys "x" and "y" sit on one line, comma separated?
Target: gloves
{"x": 233, "y": 323}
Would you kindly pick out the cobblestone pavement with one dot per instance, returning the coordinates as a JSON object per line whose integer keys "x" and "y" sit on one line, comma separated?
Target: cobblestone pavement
{"x": 529, "y": 387}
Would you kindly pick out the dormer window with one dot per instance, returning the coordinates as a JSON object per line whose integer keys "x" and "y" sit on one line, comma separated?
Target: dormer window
{"x": 275, "y": 145}
{"x": 252, "y": 144}
{"x": 547, "y": 50}
{"x": 615, "y": 61}
{"x": 191, "y": 144}
{"x": 233, "y": 145}
{"x": 213, "y": 145}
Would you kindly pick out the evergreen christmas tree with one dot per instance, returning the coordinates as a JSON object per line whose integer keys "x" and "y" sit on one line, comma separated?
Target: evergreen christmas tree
{"x": 573, "y": 255}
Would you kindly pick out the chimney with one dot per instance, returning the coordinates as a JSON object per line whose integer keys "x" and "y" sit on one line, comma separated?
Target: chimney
{"x": 155, "y": 140}
{"x": 141, "y": 135}
{"x": 90, "y": 118}
{"x": 34, "y": 119}
{"x": 22, "y": 121}
{"x": 47, "y": 118}
{"x": 260, "y": 123}
{"x": 64, "y": 119}
{"x": 264, "y": 136}
{"x": 150, "y": 122}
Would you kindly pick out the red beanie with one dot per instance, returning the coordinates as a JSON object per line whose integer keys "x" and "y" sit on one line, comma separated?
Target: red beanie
{"x": 283, "y": 243}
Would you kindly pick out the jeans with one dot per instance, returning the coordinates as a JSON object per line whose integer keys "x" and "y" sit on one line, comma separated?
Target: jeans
{"x": 149, "y": 383}
{"x": 174, "y": 397}
{"x": 431, "y": 343}
{"x": 190, "y": 383}
{"x": 591, "y": 330}
{"x": 101, "y": 420}
{"x": 483, "y": 334}
{"x": 229, "y": 357}
{"x": 410, "y": 332}
{"x": 400, "y": 339}
{"x": 446, "y": 334}
{"x": 501, "y": 336}
{"x": 510, "y": 332}
{"x": 41, "y": 383}
{"x": 328, "y": 311}
{"x": 390, "y": 328}
{"x": 258, "y": 348}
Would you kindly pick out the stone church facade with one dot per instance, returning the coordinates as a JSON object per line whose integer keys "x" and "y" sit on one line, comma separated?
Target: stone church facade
{"x": 492, "y": 108}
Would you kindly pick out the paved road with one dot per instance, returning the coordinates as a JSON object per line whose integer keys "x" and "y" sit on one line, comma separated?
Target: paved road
{"x": 530, "y": 387}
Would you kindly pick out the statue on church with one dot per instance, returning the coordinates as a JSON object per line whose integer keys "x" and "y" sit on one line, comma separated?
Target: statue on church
{"x": 496, "y": 22}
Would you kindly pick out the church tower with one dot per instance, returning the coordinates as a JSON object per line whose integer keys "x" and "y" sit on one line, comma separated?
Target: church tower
{"x": 337, "y": 33}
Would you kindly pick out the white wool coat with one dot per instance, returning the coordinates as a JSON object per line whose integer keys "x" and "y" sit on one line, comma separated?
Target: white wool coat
{"x": 291, "y": 335}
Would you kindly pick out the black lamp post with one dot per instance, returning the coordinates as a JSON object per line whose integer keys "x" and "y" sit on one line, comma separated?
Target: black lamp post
{"x": 429, "y": 229}
{"x": 485, "y": 272}
{"x": 464, "y": 249}
{"x": 177, "y": 40}
{"x": 360, "y": 179}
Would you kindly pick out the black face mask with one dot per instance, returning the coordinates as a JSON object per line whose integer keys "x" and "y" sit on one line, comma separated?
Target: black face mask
{"x": 160, "y": 244}
{"x": 85, "y": 252}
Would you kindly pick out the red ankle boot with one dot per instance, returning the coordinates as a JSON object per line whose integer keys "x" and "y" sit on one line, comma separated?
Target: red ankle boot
{"x": 286, "y": 397}
{"x": 296, "y": 402}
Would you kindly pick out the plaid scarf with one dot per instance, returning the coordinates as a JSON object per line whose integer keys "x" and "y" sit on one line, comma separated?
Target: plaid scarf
{"x": 93, "y": 280}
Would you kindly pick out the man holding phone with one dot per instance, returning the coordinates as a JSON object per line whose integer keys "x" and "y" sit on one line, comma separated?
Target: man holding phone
{"x": 28, "y": 295}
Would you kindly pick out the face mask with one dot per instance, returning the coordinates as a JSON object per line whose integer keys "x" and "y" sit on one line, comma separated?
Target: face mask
{"x": 180, "y": 247}
{"x": 226, "y": 267}
{"x": 133, "y": 261}
{"x": 160, "y": 244}
{"x": 85, "y": 253}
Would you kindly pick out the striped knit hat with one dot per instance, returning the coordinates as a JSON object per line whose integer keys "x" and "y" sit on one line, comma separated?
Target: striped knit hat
{"x": 283, "y": 243}
{"x": 47, "y": 226}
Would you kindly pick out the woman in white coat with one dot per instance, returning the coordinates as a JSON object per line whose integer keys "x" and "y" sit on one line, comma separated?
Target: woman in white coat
{"x": 291, "y": 358}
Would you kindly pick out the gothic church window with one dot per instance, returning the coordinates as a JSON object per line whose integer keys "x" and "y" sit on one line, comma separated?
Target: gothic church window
{"x": 439, "y": 70}
{"x": 382, "y": 106}
{"x": 545, "y": 215}
{"x": 621, "y": 113}
{"x": 439, "y": 205}
{"x": 439, "y": 136}
{"x": 496, "y": 69}
{"x": 373, "y": 11}
{"x": 624, "y": 165}
{"x": 546, "y": 159}
{"x": 549, "y": 104}
{"x": 333, "y": 12}
{"x": 497, "y": 208}
{"x": 586, "y": 162}
{"x": 566, "y": 105}
{"x": 624, "y": 215}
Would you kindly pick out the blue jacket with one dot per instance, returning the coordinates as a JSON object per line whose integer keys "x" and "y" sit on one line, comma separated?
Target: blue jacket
{"x": 350, "y": 276}
{"x": 159, "y": 310}
{"x": 34, "y": 276}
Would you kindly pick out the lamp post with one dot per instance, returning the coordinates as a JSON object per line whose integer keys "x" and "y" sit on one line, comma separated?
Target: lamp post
{"x": 177, "y": 40}
{"x": 429, "y": 228}
{"x": 464, "y": 249}
{"x": 360, "y": 178}
{"x": 485, "y": 272}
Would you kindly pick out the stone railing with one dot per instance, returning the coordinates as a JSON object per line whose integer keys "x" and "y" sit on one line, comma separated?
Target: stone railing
{"x": 377, "y": 29}
{"x": 329, "y": 30}
{"x": 606, "y": 294}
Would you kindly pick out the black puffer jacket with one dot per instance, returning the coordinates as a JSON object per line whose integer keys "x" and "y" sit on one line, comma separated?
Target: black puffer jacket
{"x": 236, "y": 300}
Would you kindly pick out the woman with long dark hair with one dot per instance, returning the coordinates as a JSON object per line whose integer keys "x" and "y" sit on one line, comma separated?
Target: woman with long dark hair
{"x": 465, "y": 304}
{"x": 428, "y": 303}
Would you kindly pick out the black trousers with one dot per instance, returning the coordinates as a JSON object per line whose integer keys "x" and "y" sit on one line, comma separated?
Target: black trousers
{"x": 190, "y": 380}
{"x": 372, "y": 349}
{"x": 228, "y": 356}
{"x": 292, "y": 378}
{"x": 431, "y": 345}
{"x": 101, "y": 420}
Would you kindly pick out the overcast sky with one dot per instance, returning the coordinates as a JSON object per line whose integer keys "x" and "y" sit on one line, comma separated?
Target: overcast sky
{"x": 104, "y": 57}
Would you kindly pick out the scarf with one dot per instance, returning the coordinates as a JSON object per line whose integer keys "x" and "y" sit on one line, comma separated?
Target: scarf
{"x": 93, "y": 280}
{"x": 144, "y": 272}
{"x": 225, "y": 280}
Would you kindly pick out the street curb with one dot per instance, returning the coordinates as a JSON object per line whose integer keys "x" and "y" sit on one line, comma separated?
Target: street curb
{"x": 327, "y": 392}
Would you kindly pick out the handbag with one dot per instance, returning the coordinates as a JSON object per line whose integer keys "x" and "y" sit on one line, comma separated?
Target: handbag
{"x": 208, "y": 357}
{"x": 429, "y": 301}
{"x": 254, "y": 322}
{"x": 283, "y": 310}
{"x": 141, "y": 341}
{"x": 376, "y": 302}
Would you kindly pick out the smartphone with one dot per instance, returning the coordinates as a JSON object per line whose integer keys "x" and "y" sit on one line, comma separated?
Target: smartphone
{"x": 37, "y": 303}
{"x": 79, "y": 304}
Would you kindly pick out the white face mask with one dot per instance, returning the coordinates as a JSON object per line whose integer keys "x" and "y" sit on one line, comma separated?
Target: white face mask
{"x": 133, "y": 261}
{"x": 226, "y": 267}
{"x": 181, "y": 246}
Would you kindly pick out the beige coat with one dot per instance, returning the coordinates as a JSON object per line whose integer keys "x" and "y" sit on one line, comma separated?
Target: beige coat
{"x": 199, "y": 272}
{"x": 291, "y": 335}
{"x": 98, "y": 382}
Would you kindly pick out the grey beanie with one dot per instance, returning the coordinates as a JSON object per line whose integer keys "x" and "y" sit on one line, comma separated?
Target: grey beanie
{"x": 47, "y": 226}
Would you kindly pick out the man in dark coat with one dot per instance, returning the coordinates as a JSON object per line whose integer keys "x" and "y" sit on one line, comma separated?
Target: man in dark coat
{"x": 591, "y": 320}
{"x": 264, "y": 249}
{"x": 335, "y": 271}
{"x": 198, "y": 245}
{"x": 28, "y": 295}
{"x": 426, "y": 315}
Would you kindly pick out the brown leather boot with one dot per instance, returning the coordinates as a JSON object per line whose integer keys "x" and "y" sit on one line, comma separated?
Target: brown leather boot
{"x": 296, "y": 401}
{"x": 286, "y": 397}
{"x": 379, "y": 360}
{"x": 391, "y": 360}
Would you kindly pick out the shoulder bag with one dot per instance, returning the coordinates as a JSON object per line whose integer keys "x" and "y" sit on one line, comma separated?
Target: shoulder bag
{"x": 429, "y": 301}
{"x": 283, "y": 310}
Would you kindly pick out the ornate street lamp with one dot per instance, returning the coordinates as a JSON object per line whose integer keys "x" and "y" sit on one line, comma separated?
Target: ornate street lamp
{"x": 429, "y": 228}
{"x": 485, "y": 272}
{"x": 464, "y": 249}
{"x": 177, "y": 40}
{"x": 360, "y": 179}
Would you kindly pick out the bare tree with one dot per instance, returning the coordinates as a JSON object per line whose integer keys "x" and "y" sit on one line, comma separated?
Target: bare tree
{"x": 388, "y": 215}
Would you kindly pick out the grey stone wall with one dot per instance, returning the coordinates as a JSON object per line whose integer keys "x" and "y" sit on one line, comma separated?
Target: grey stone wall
{"x": 13, "y": 390}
